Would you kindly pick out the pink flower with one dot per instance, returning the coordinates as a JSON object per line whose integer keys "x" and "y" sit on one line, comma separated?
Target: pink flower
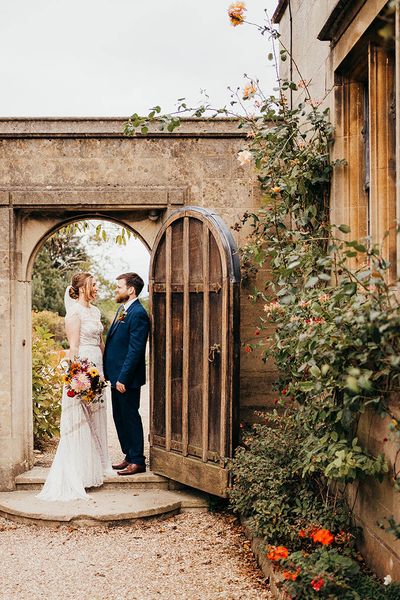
{"x": 304, "y": 303}
{"x": 244, "y": 157}
{"x": 273, "y": 307}
{"x": 323, "y": 298}
{"x": 80, "y": 383}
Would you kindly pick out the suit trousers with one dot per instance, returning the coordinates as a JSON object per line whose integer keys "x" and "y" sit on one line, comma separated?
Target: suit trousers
{"x": 128, "y": 424}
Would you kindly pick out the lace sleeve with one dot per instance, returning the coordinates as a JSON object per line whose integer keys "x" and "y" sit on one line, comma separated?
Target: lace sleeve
{"x": 73, "y": 313}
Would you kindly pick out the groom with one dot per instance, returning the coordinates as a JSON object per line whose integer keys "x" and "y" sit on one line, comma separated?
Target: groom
{"x": 125, "y": 367}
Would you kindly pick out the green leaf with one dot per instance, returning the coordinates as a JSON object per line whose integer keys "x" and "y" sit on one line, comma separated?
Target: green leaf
{"x": 312, "y": 282}
{"x": 344, "y": 228}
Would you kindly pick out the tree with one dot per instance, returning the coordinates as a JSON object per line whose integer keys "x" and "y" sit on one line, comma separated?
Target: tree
{"x": 60, "y": 257}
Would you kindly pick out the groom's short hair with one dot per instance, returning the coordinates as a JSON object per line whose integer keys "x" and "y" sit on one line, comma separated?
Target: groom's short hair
{"x": 133, "y": 280}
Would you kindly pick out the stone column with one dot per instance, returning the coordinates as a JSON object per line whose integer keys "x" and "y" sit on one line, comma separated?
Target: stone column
{"x": 6, "y": 336}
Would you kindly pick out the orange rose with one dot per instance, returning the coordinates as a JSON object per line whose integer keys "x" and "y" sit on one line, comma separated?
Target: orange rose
{"x": 278, "y": 553}
{"x": 323, "y": 536}
{"x": 291, "y": 575}
{"x": 236, "y": 13}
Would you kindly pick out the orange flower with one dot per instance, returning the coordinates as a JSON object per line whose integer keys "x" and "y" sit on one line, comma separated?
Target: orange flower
{"x": 302, "y": 533}
{"x": 276, "y": 189}
{"x": 323, "y": 536}
{"x": 249, "y": 91}
{"x": 291, "y": 575}
{"x": 277, "y": 553}
{"x": 236, "y": 13}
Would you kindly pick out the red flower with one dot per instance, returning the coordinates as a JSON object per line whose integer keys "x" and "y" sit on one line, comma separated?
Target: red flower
{"x": 247, "y": 348}
{"x": 302, "y": 533}
{"x": 71, "y": 393}
{"x": 258, "y": 332}
{"x": 323, "y": 536}
{"x": 317, "y": 584}
{"x": 284, "y": 391}
{"x": 277, "y": 553}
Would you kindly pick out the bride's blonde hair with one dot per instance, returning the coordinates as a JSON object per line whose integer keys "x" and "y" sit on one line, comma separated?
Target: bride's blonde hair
{"x": 82, "y": 280}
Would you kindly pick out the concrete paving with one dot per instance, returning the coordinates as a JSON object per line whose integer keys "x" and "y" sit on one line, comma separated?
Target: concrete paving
{"x": 103, "y": 506}
{"x": 118, "y": 500}
{"x": 35, "y": 478}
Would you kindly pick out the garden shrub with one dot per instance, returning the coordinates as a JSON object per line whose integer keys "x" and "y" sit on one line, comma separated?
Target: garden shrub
{"x": 53, "y": 322}
{"x": 270, "y": 490}
{"x": 46, "y": 385}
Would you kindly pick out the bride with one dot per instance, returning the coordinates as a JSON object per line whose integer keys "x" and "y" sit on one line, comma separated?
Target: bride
{"x": 81, "y": 460}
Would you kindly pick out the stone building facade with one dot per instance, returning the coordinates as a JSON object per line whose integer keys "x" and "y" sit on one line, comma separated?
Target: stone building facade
{"x": 350, "y": 54}
{"x": 56, "y": 171}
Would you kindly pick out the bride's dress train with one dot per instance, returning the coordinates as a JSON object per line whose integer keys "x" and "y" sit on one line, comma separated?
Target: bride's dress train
{"x": 82, "y": 459}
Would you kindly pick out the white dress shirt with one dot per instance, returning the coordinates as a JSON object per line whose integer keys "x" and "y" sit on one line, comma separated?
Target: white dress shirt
{"x": 127, "y": 304}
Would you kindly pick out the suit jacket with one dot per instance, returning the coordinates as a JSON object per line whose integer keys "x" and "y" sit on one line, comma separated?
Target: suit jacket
{"x": 124, "y": 353}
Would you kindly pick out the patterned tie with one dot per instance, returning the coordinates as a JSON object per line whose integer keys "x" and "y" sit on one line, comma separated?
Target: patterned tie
{"x": 119, "y": 311}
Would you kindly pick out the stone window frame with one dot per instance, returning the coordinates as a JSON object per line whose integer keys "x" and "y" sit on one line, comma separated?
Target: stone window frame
{"x": 370, "y": 71}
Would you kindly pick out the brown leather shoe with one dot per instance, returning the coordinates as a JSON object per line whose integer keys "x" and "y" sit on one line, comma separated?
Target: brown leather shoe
{"x": 132, "y": 470}
{"x": 122, "y": 465}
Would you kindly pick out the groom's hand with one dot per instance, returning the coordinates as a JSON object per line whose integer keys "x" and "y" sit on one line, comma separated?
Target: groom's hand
{"x": 120, "y": 387}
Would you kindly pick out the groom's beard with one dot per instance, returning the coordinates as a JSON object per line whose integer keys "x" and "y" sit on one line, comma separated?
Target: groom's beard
{"x": 121, "y": 298}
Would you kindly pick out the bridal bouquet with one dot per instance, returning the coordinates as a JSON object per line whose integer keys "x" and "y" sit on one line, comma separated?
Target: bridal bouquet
{"x": 82, "y": 379}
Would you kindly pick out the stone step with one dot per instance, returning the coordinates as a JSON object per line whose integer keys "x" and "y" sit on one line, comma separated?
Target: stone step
{"x": 105, "y": 506}
{"x": 35, "y": 478}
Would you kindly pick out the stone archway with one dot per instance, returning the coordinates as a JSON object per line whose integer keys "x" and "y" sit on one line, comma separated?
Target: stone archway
{"x": 54, "y": 171}
{"x": 34, "y": 229}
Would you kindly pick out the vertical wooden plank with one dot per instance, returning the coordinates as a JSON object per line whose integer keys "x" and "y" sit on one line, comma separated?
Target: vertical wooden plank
{"x": 151, "y": 383}
{"x": 206, "y": 338}
{"x": 224, "y": 365}
{"x": 168, "y": 341}
{"x": 186, "y": 325}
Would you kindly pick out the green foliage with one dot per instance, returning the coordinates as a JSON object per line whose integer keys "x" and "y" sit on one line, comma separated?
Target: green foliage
{"x": 271, "y": 491}
{"x": 369, "y": 588}
{"x": 336, "y": 342}
{"x": 46, "y": 385}
{"x": 60, "y": 257}
{"x": 53, "y": 323}
{"x": 337, "y": 353}
{"x": 322, "y": 573}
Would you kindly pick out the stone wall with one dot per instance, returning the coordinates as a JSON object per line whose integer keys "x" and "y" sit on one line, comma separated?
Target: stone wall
{"x": 53, "y": 171}
{"x": 340, "y": 26}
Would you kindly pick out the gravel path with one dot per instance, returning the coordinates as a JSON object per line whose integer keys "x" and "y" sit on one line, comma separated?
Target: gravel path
{"x": 192, "y": 556}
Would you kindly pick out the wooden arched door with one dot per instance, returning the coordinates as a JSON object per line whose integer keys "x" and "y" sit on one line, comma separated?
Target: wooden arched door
{"x": 194, "y": 304}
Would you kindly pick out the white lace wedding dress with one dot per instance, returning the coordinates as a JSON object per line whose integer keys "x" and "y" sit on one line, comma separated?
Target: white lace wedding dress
{"x": 82, "y": 459}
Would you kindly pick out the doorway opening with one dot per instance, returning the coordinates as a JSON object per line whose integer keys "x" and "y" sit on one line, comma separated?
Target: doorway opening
{"x": 104, "y": 248}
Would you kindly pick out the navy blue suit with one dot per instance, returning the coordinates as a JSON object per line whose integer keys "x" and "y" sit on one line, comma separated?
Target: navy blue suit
{"x": 124, "y": 361}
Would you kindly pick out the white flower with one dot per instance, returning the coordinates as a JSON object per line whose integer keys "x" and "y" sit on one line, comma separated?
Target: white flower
{"x": 244, "y": 157}
{"x": 387, "y": 580}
